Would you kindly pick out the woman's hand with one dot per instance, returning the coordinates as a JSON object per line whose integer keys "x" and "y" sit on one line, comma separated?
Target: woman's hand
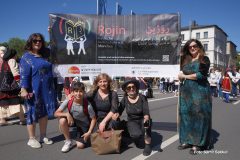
{"x": 24, "y": 94}
{"x": 86, "y": 136}
{"x": 102, "y": 126}
{"x": 115, "y": 116}
{"x": 181, "y": 76}
{"x": 70, "y": 96}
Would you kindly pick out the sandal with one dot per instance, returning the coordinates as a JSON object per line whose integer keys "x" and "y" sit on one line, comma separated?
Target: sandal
{"x": 194, "y": 150}
{"x": 184, "y": 146}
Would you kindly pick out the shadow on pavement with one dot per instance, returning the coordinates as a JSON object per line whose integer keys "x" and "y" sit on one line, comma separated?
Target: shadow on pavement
{"x": 60, "y": 137}
{"x": 166, "y": 126}
{"x": 214, "y": 138}
{"x": 156, "y": 141}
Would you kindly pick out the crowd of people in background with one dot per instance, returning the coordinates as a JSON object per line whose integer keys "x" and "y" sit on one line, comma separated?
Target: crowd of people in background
{"x": 167, "y": 85}
{"x": 224, "y": 83}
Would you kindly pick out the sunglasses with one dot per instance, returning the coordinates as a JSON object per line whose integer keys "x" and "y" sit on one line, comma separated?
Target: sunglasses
{"x": 194, "y": 46}
{"x": 130, "y": 87}
{"x": 35, "y": 41}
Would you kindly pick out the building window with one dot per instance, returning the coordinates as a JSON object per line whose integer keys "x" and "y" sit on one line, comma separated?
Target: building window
{"x": 205, "y": 34}
{"x": 182, "y": 37}
{"x": 198, "y": 35}
{"x": 205, "y": 46}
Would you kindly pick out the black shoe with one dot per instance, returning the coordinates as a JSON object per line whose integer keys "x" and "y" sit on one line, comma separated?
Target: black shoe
{"x": 194, "y": 149}
{"x": 139, "y": 143}
{"x": 184, "y": 146}
{"x": 147, "y": 150}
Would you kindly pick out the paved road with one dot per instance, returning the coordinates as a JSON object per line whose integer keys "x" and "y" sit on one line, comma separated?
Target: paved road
{"x": 226, "y": 131}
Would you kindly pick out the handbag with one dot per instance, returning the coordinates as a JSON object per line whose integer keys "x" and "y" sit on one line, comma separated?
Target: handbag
{"x": 106, "y": 142}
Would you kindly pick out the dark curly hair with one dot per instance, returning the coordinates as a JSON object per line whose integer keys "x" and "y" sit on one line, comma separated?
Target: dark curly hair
{"x": 28, "y": 46}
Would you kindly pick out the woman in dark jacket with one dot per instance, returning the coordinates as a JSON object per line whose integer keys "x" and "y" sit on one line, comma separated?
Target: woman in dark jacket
{"x": 138, "y": 116}
{"x": 105, "y": 103}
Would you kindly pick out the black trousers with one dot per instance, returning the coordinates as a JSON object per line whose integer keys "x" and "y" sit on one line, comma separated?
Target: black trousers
{"x": 136, "y": 129}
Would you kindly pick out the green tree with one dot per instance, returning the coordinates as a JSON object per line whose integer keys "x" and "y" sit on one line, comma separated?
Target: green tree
{"x": 4, "y": 44}
{"x": 18, "y": 44}
{"x": 238, "y": 60}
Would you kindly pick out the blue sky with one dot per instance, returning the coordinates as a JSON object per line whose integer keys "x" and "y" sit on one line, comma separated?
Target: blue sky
{"x": 20, "y": 18}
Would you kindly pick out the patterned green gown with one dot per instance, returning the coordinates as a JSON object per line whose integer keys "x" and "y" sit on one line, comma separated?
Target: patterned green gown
{"x": 195, "y": 111}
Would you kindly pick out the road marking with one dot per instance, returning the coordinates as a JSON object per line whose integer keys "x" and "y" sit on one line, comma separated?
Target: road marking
{"x": 152, "y": 100}
{"x": 156, "y": 148}
{"x": 236, "y": 102}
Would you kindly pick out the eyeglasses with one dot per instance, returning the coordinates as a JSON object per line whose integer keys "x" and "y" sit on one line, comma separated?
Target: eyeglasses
{"x": 130, "y": 87}
{"x": 36, "y": 40}
{"x": 193, "y": 46}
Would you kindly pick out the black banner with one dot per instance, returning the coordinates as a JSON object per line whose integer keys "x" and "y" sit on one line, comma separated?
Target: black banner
{"x": 101, "y": 39}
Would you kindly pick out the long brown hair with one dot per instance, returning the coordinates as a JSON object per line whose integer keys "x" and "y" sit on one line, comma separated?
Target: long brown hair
{"x": 186, "y": 56}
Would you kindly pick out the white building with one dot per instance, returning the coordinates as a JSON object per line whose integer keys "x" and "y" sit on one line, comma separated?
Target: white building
{"x": 214, "y": 40}
{"x": 231, "y": 53}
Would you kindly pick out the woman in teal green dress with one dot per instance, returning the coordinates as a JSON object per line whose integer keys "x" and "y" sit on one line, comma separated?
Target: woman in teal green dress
{"x": 195, "y": 111}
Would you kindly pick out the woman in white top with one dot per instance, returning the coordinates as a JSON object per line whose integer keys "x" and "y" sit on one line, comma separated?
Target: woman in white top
{"x": 213, "y": 82}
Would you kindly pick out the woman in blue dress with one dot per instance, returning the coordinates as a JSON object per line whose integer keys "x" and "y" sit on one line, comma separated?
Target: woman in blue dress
{"x": 195, "y": 111}
{"x": 37, "y": 88}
